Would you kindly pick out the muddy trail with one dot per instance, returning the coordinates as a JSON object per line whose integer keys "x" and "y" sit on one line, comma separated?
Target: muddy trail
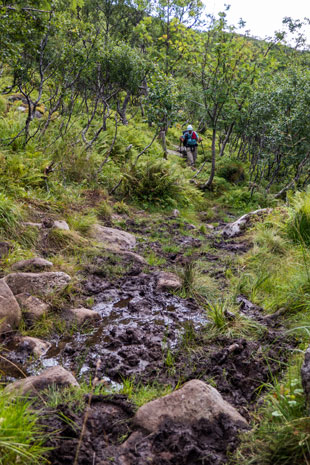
{"x": 152, "y": 335}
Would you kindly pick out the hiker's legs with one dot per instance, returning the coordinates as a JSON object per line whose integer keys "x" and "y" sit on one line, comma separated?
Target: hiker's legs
{"x": 195, "y": 154}
{"x": 190, "y": 158}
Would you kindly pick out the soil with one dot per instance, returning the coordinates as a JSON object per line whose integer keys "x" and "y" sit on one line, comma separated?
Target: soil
{"x": 140, "y": 328}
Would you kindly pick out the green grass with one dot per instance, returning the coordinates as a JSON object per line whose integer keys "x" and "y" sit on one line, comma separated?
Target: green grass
{"x": 21, "y": 437}
{"x": 140, "y": 394}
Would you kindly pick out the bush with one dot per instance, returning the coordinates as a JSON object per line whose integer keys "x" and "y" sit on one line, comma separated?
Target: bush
{"x": 233, "y": 172}
{"x": 156, "y": 182}
{"x": 298, "y": 225}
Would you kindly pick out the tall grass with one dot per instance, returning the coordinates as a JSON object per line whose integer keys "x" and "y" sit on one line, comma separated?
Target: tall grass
{"x": 21, "y": 437}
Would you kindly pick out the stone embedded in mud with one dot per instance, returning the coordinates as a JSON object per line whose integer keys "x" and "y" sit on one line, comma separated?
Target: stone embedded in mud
{"x": 37, "y": 283}
{"x": 32, "y": 307}
{"x": 33, "y": 345}
{"x": 195, "y": 400}
{"x": 166, "y": 281}
{"x": 81, "y": 315}
{"x": 55, "y": 376}
{"x": 305, "y": 374}
{"x": 112, "y": 239}
{"x": 133, "y": 256}
{"x": 10, "y": 312}
{"x": 33, "y": 264}
{"x": 5, "y": 248}
{"x": 236, "y": 228}
{"x": 61, "y": 224}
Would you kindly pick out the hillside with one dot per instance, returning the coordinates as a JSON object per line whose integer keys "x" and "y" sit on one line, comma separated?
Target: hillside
{"x": 152, "y": 309}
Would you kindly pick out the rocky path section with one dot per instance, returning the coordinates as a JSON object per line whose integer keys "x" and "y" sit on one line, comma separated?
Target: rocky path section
{"x": 139, "y": 327}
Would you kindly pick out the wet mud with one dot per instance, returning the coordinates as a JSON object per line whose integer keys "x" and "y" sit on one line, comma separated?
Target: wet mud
{"x": 105, "y": 433}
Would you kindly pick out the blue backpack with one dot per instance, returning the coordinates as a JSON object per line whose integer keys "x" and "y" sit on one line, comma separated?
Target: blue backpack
{"x": 189, "y": 140}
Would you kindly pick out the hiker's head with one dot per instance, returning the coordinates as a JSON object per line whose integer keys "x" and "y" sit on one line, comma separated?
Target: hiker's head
{"x": 189, "y": 127}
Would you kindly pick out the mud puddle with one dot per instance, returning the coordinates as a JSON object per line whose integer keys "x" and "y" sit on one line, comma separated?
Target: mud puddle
{"x": 138, "y": 326}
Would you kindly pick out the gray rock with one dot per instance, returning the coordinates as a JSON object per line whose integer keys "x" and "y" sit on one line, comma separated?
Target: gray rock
{"x": 176, "y": 213}
{"x": 56, "y": 376}
{"x": 32, "y": 307}
{"x": 10, "y": 312}
{"x": 133, "y": 256}
{"x": 61, "y": 224}
{"x": 305, "y": 374}
{"x": 34, "y": 345}
{"x": 33, "y": 225}
{"x": 113, "y": 239}
{"x": 37, "y": 283}
{"x": 5, "y": 249}
{"x": 20, "y": 108}
{"x": 166, "y": 281}
{"x": 33, "y": 264}
{"x": 82, "y": 315}
{"x": 235, "y": 229}
{"x": 195, "y": 400}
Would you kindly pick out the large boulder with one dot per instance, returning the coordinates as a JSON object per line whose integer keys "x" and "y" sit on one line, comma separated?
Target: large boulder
{"x": 55, "y": 376}
{"x": 10, "y": 312}
{"x": 168, "y": 281}
{"x": 81, "y": 315}
{"x": 111, "y": 238}
{"x": 32, "y": 307}
{"x": 33, "y": 264}
{"x": 37, "y": 283}
{"x": 235, "y": 229}
{"x": 195, "y": 400}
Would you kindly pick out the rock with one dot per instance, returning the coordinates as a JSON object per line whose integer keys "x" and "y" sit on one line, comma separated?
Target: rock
{"x": 305, "y": 374}
{"x": 33, "y": 345}
{"x": 5, "y": 249}
{"x": 33, "y": 225}
{"x": 56, "y": 376}
{"x": 32, "y": 307}
{"x": 195, "y": 400}
{"x": 210, "y": 227}
{"x": 37, "y": 283}
{"x": 33, "y": 264}
{"x": 133, "y": 256}
{"x": 236, "y": 228}
{"x": 82, "y": 315}
{"x": 61, "y": 224}
{"x": 38, "y": 114}
{"x": 166, "y": 281}
{"x": 112, "y": 239}
{"x": 20, "y": 108}
{"x": 10, "y": 312}
{"x": 176, "y": 213}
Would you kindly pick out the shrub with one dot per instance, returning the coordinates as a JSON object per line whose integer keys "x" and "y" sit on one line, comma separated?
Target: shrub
{"x": 156, "y": 182}
{"x": 232, "y": 171}
{"x": 298, "y": 225}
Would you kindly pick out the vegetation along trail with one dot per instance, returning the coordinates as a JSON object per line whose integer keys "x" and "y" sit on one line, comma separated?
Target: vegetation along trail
{"x": 154, "y": 236}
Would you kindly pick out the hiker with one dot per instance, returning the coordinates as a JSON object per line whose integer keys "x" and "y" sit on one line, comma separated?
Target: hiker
{"x": 190, "y": 141}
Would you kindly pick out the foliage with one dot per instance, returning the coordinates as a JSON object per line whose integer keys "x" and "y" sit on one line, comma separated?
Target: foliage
{"x": 156, "y": 182}
{"x": 298, "y": 224}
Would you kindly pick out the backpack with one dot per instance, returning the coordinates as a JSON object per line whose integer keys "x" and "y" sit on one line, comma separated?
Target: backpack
{"x": 190, "y": 140}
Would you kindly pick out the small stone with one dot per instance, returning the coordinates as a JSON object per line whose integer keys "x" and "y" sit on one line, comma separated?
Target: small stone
{"x": 33, "y": 264}
{"x": 113, "y": 239}
{"x": 37, "y": 283}
{"x": 10, "y": 312}
{"x": 134, "y": 257}
{"x": 195, "y": 400}
{"x": 176, "y": 213}
{"x": 21, "y": 108}
{"x": 82, "y": 315}
{"x": 32, "y": 307}
{"x": 5, "y": 249}
{"x": 55, "y": 376}
{"x": 61, "y": 224}
{"x": 305, "y": 374}
{"x": 33, "y": 225}
{"x": 166, "y": 281}
{"x": 34, "y": 345}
